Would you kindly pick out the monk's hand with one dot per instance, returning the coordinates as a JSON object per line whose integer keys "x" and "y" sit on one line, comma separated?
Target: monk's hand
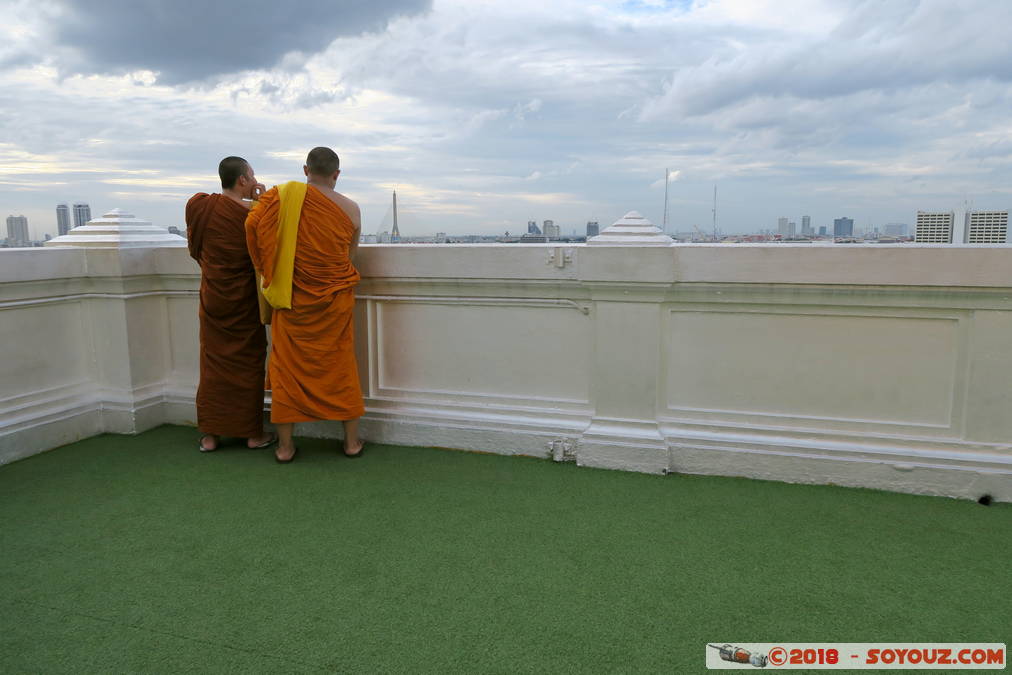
{"x": 258, "y": 190}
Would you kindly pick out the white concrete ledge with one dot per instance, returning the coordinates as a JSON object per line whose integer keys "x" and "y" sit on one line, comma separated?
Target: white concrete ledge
{"x": 874, "y": 366}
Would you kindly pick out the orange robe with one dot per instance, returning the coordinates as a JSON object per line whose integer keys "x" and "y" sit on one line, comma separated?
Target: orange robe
{"x": 312, "y": 372}
{"x": 233, "y": 343}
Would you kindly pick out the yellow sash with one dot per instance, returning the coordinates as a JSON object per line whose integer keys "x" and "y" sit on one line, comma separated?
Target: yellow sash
{"x": 279, "y": 293}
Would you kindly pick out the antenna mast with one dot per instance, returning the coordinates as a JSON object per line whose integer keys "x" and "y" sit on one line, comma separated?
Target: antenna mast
{"x": 665, "y": 226}
{"x": 715, "y": 213}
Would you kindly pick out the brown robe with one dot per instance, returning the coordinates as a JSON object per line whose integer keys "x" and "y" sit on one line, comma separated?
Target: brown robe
{"x": 233, "y": 342}
{"x": 312, "y": 372}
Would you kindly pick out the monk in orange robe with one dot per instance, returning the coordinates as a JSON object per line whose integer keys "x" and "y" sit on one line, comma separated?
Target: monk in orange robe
{"x": 311, "y": 372}
{"x": 233, "y": 344}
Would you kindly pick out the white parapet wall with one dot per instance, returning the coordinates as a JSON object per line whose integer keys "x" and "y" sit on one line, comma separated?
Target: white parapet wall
{"x": 875, "y": 366}
{"x": 96, "y": 340}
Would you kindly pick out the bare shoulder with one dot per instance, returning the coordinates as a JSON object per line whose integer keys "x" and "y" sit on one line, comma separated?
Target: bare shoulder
{"x": 346, "y": 202}
{"x": 349, "y": 206}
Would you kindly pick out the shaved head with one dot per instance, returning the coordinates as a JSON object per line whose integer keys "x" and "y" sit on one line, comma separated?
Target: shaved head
{"x": 230, "y": 169}
{"x": 322, "y": 161}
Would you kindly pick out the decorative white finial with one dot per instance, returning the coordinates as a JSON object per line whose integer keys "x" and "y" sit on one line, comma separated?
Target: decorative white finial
{"x": 118, "y": 229}
{"x": 632, "y": 229}
{"x": 117, "y": 213}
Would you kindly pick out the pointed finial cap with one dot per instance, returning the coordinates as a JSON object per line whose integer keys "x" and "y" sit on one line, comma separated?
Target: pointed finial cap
{"x": 632, "y": 229}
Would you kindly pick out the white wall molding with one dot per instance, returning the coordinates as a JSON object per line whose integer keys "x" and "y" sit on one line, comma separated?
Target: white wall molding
{"x": 38, "y": 421}
{"x": 78, "y": 297}
{"x": 583, "y": 308}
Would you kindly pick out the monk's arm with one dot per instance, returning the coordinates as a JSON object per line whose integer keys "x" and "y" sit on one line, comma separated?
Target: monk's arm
{"x": 356, "y": 218}
{"x": 196, "y": 210}
{"x": 252, "y": 241}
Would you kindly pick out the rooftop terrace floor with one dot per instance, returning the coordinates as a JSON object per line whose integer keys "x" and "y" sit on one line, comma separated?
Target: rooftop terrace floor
{"x": 137, "y": 553}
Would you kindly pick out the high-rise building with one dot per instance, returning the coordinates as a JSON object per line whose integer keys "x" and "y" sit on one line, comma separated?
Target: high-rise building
{"x": 62, "y": 219}
{"x": 894, "y": 229}
{"x": 843, "y": 227}
{"x": 82, "y": 214}
{"x": 934, "y": 227}
{"x": 782, "y": 227}
{"x": 822, "y": 230}
{"x": 550, "y": 229}
{"x": 986, "y": 227}
{"x": 806, "y": 226}
{"x": 532, "y": 227}
{"x": 593, "y": 229}
{"x": 17, "y": 231}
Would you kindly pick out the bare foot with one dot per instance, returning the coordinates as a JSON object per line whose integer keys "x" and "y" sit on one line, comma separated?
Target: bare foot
{"x": 353, "y": 450}
{"x": 266, "y": 440}
{"x": 208, "y": 443}
{"x": 285, "y": 454}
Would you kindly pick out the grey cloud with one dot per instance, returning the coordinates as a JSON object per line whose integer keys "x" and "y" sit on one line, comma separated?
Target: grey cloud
{"x": 315, "y": 98}
{"x": 998, "y": 149}
{"x": 486, "y": 64}
{"x": 876, "y": 47}
{"x": 289, "y": 93}
{"x": 193, "y": 40}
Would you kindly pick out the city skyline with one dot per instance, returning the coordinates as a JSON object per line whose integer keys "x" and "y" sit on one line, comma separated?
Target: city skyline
{"x": 976, "y": 226}
{"x": 484, "y": 120}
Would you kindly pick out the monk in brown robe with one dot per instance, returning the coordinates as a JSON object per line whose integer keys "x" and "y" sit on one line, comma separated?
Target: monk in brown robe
{"x": 233, "y": 343}
{"x": 312, "y": 373}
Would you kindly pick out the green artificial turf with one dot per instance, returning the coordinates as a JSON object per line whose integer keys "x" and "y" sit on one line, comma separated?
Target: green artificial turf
{"x": 139, "y": 554}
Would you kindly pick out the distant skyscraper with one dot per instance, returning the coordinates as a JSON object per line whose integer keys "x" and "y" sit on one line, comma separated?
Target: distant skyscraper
{"x": 82, "y": 214}
{"x": 894, "y": 229}
{"x": 843, "y": 227}
{"x": 806, "y": 226}
{"x": 550, "y": 229}
{"x": 593, "y": 229}
{"x": 17, "y": 230}
{"x": 986, "y": 227}
{"x": 934, "y": 227}
{"x": 783, "y": 227}
{"x": 62, "y": 219}
{"x": 532, "y": 227}
{"x": 822, "y": 230}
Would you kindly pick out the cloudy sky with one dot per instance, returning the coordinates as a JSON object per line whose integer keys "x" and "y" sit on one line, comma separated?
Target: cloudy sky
{"x": 487, "y": 113}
